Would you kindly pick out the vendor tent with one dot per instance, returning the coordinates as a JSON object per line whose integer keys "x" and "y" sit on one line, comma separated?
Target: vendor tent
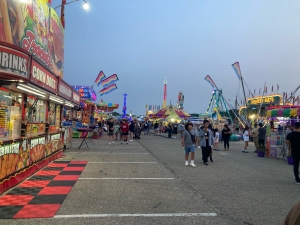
{"x": 173, "y": 117}
{"x": 165, "y": 112}
{"x": 284, "y": 112}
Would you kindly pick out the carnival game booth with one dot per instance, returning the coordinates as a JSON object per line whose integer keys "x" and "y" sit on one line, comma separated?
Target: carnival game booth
{"x": 31, "y": 102}
{"x": 281, "y": 115}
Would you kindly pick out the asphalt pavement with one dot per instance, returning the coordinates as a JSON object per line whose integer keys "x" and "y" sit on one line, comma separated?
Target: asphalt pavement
{"x": 146, "y": 182}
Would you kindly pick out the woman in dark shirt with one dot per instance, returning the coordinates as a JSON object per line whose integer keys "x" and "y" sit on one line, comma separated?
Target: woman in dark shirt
{"x": 226, "y": 133}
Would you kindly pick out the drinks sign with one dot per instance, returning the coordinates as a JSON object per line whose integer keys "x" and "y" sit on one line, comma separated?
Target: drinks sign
{"x": 42, "y": 77}
{"x": 13, "y": 62}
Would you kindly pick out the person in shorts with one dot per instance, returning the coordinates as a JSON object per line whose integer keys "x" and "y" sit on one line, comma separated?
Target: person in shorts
{"x": 116, "y": 130}
{"x": 156, "y": 127}
{"x": 131, "y": 130}
{"x": 110, "y": 131}
{"x": 188, "y": 142}
{"x": 175, "y": 130}
{"x": 124, "y": 131}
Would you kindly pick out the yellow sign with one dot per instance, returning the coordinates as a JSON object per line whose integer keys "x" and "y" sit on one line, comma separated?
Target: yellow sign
{"x": 265, "y": 99}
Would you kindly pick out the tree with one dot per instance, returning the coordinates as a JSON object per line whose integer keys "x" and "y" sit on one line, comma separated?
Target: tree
{"x": 116, "y": 114}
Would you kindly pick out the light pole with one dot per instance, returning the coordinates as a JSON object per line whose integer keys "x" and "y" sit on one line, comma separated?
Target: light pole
{"x": 85, "y": 5}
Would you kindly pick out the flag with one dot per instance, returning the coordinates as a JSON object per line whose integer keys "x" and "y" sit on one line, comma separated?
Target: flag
{"x": 108, "y": 89}
{"x": 259, "y": 91}
{"x": 101, "y": 100}
{"x": 62, "y": 13}
{"x": 266, "y": 89}
{"x": 146, "y": 107}
{"x": 249, "y": 92}
{"x": 237, "y": 69}
{"x": 49, "y": 1}
{"x": 109, "y": 80}
{"x": 210, "y": 81}
{"x": 101, "y": 76}
{"x": 277, "y": 87}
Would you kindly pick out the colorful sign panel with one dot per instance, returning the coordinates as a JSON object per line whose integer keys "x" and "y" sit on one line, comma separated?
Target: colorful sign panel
{"x": 86, "y": 92}
{"x": 76, "y": 97}
{"x": 35, "y": 27}
{"x": 14, "y": 62}
{"x": 21, "y": 154}
{"x": 265, "y": 100}
{"x": 42, "y": 77}
{"x": 65, "y": 90}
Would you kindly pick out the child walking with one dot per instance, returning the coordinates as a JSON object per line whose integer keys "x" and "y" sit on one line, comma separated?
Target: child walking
{"x": 217, "y": 139}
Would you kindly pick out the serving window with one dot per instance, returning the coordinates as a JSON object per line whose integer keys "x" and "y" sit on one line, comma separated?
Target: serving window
{"x": 10, "y": 114}
{"x": 54, "y": 117}
{"x": 36, "y": 110}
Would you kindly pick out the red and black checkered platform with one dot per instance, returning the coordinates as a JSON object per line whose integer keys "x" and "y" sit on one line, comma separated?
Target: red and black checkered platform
{"x": 41, "y": 195}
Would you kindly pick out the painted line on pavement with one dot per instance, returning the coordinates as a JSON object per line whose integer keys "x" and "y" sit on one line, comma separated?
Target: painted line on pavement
{"x": 124, "y": 162}
{"x": 112, "y": 153}
{"x": 125, "y": 178}
{"x": 137, "y": 215}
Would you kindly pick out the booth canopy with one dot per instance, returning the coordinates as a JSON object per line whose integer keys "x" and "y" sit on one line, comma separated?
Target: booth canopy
{"x": 283, "y": 112}
{"x": 107, "y": 106}
{"x": 165, "y": 112}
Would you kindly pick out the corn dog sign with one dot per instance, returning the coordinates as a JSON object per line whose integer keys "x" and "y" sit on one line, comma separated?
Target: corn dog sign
{"x": 42, "y": 77}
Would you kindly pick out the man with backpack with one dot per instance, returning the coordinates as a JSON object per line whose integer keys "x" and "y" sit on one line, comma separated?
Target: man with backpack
{"x": 188, "y": 142}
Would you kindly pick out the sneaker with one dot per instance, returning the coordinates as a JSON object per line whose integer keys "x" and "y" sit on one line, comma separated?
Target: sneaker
{"x": 186, "y": 163}
{"x": 121, "y": 142}
{"x": 211, "y": 159}
{"x": 245, "y": 151}
{"x": 198, "y": 146}
{"x": 127, "y": 143}
{"x": 113, "y": 143}
{"x": 109, "y": 143}
{"x": 297, "y": 181}
{"x": 192, "y": 165}
{"x": 206, "y": 164}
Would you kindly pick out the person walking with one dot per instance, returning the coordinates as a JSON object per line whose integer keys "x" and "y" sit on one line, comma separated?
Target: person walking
{"x": 110, "y": 131}
{"x": 226, "y": 133}
{"x": 146, "y": 126}
{"x": 117, "y": 130}
{"x": 156, "y": 127}
{"x": 181, "y": 128}
{"x": 175, "y": 130}
{"x": 131, "y": 130}
{"x": 197, "y": 134}
{"x": 261, "y": 136}
{"x": 255, "y": 136}
{"x": 293, "y": 143}
{"x": 207, "y": 140}
{"x": 216, "y": 140}
{"x": 246, "y": 135}
{"x": 169, "y": 130}
{"x": 188, "y": 143}
{"x": 124, "y": 130}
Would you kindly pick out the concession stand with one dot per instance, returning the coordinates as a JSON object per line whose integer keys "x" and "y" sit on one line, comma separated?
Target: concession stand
{"x": 32, "y": 100}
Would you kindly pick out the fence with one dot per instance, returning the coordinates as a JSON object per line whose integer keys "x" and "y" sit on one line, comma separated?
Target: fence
{"x": 278, "y": 147}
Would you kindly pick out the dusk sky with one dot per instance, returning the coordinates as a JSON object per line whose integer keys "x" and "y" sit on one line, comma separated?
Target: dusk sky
{"x": 142, "y": 41}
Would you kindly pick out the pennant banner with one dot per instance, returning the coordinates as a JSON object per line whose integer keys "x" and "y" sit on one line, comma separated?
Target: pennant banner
{"x": 109, "y": 89}
{"x": 210, "y": 81}
{"x": 101, "y": 76}
{"x": 237, "y": 69}
{"x": 109, "y": 80}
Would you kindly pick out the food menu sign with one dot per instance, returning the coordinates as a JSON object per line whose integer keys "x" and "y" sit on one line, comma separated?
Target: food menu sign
{"x": 65, "y": 90}
{"x": 13, "y": 62}
{"x": 36, "y": 28}
{"x": 42, "y": 77}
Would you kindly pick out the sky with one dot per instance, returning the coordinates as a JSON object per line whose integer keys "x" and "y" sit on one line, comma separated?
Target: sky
{"x": 144, "y": 41}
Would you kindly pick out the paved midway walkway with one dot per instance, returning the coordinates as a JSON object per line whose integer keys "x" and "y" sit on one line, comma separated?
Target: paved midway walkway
{"x": 146, "y": 182}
